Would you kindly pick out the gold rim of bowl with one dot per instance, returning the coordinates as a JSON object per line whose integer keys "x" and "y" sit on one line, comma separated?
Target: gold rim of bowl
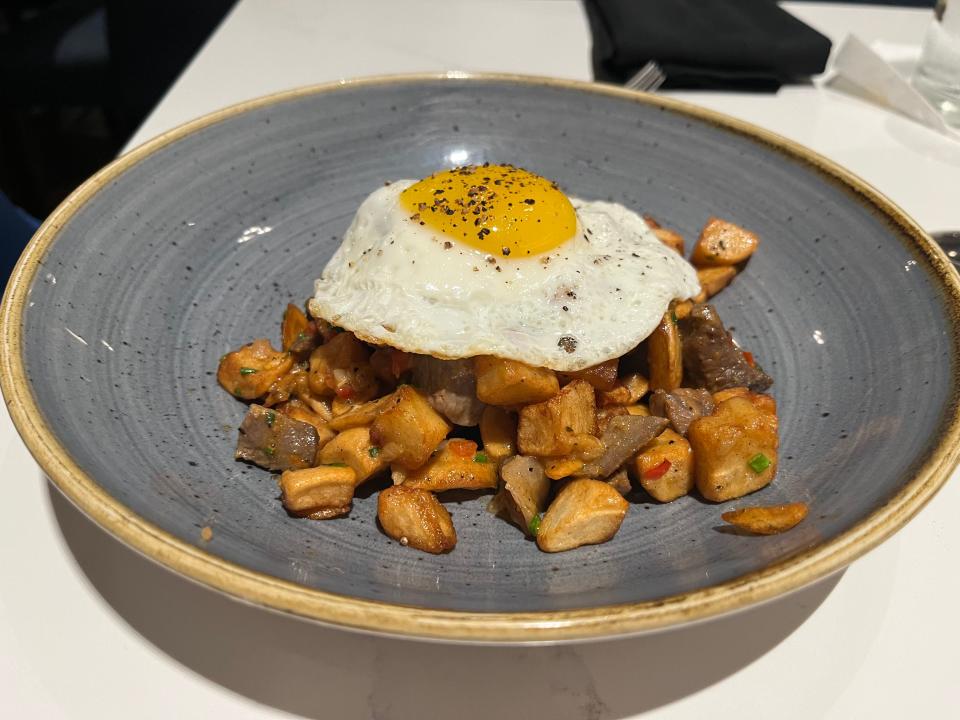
{"x": 796, "y": 571}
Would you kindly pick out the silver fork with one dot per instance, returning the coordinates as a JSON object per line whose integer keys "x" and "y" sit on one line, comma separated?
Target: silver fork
{"x": 646, "y": 79}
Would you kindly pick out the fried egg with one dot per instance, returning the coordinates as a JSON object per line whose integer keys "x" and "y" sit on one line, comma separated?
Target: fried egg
{"x": 495, "y": 260}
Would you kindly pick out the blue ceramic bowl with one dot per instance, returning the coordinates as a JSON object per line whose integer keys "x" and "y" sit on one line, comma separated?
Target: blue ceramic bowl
{"x": 191, "y": 245}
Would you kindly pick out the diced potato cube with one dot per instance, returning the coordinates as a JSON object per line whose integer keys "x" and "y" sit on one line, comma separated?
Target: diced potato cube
{"x": 498, "y": 430}
{"x": 628, "y": 391}
{"x": 508, "y": 382}
{"x": 601, "y": 377}
{"x": 416, "y": 518}
{"x": 248, "y": 373}
{"x": 341, "y": 368}
{"x": 525, "y": 490}
{"x": 723, "y": 243}
{"x": 584, "y": 512}
{"x": 456, "y": 465}
{"x": 550, "y": 428}
{"x": 664, "y": 468}
{"x": 735, "y": 448}
{"x": 713, "y": 280}
{"x": 721, "y": 395}
{"x": 359, "y": 414}
{"x": 299, "y": 335}
{"x": 319, "y": 493}
{"x": 355, "y": 449}
{"x": 663, "y": 355}
{"x": 408, "y": 430}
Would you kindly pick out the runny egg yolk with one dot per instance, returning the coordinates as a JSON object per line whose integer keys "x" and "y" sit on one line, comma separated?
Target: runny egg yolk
{"x": 501, "y": 209}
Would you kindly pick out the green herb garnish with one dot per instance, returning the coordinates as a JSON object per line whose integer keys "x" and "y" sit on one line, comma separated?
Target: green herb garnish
{"x": 269, "y": 451}
{"x": 673, "y": 316}
{"x": 247, "y": 371}
{"x": 334, "y": 464}
{"x": 759, "y": 462}
{"x": 481, "y": 458}
{"x": 534, "y": 525}
{"x": 271, "y": 418}
{"x": 373, "y": 452}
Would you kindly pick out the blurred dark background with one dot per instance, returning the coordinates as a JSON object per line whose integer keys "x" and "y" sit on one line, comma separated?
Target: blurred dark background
{"x": 77, "y": 77}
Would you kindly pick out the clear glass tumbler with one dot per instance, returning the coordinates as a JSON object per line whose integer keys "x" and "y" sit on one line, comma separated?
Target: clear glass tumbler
{"x": 938, "y": 73}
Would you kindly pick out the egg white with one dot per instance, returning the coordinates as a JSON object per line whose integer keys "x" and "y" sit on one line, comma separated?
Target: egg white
{"x": 394, "y": 282}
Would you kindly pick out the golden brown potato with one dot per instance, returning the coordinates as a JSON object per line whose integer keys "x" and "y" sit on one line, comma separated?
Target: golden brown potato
{"x": 601, "y": 377}
{"x": 585, "y": 512}
{"x": 508, "y": 382}
{"x": 670, "y": 238}
{"x": 550, "y": 428}
{"x": 341, "y": 368}
{"x": 682, "y": 309}
{"x": 249, "y": 372}
{"x": 354, "y": 448}
{"x": 721, "y": 395}
{"x": 640, "y": 409}
{"x": 416, "y": 518}
{"x": 561, "y": 467}
{"x": 498, "y": 430}
{"x": 713, "y": 280}
{"x": 735, "y": 448}
{"x": 768, "y": 520}
{"x": 525, "y": 490}
{"x": 663, "y": 355}
{"x": 299, "y": 411}
{"x": 664, "y": 468}
{"x": 628, "y": 391}
{"x": 723, "y": 243}
{"x": 456, "y": 465}
{"x": 298, "y": 334}
{"x": 408, "y": 430}
{"x": 319, "y": 493}
{"x": 359, "y": 414}
{"x": 293, "y": 383}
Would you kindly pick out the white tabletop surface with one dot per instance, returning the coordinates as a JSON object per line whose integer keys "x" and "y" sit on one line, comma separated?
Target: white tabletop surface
{"x": 88, "y": 629}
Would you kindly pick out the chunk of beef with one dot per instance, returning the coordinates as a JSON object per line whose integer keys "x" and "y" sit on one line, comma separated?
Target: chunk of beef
{"x": 623, "y": 438}
{"x": 681, "y": 406}
{"x": 275, "y": 441}
{"x": 450, "y": 386}
{"x": 710, "y": 357}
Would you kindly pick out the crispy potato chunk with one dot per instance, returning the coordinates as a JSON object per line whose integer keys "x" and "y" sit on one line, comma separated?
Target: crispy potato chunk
{"x": 341, "y": 368}
{"x": 664, "y": 468}
{"x": 525, "y": 490}
{"x": 319, "y": 493}
{"x": 713, "y": 280}
{"x": 663, "y": 354}
{"x": 550, "y": 427}
{"x": 768, "y": 520}
{"x": 585, "y": 512}
{"x": 721, "y": 395}
{"x": 682, "y": 309}
{"x": 408, "y": 430}
{"x": 561, "y": 467}
{"x": 298, "y": 334}
{"x": 498, "y": 430}
{"x": 723, "y": 243}
{"x": 601, "y": 377}
{"x": 456, "y": 465}
{"x": 360, "y": 414}
{"x": 354, "y": 448}
{"x": 735, "y": 448}
{"x": 670, "y": 238}
{"x": 628, "y": 391}
{"x": 508, "y": 382}
{"x": 249, "y": 372}
{"x": 416, "y": 518}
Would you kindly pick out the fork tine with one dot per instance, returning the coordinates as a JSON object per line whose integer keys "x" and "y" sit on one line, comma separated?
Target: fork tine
{"x": 648, "y": 78}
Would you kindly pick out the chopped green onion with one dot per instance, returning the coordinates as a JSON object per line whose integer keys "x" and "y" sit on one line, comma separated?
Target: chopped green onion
{"x": 534, "y": 526}
{"x": 334, "y": 464}
{"x": 759, "y": 462}
{"x": 271, "y": 418}
{"x": 303, "y": 336}
{"x": 247, "y": 371}
{"x": 481, "y": 458}
{"x": 673, "y": 316}
{"x": 373, "y": 452}
{"x": 269, "y": 451}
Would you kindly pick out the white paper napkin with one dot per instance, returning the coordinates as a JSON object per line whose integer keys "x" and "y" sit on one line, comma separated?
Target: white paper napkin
{"x": 858, "y": 70}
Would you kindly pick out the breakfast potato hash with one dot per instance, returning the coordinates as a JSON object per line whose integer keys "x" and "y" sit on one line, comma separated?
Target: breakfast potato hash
{"x": 562, "y": 445}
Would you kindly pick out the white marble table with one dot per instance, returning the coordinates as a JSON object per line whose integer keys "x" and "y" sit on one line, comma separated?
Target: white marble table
{"x": 88, "y": 629}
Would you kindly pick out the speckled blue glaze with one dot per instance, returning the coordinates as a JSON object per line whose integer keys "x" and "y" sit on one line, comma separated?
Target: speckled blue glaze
{"x": 197, "y": 249}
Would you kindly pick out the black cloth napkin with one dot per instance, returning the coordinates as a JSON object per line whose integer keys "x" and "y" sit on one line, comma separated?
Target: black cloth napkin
{"x": 704, "y": 44}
